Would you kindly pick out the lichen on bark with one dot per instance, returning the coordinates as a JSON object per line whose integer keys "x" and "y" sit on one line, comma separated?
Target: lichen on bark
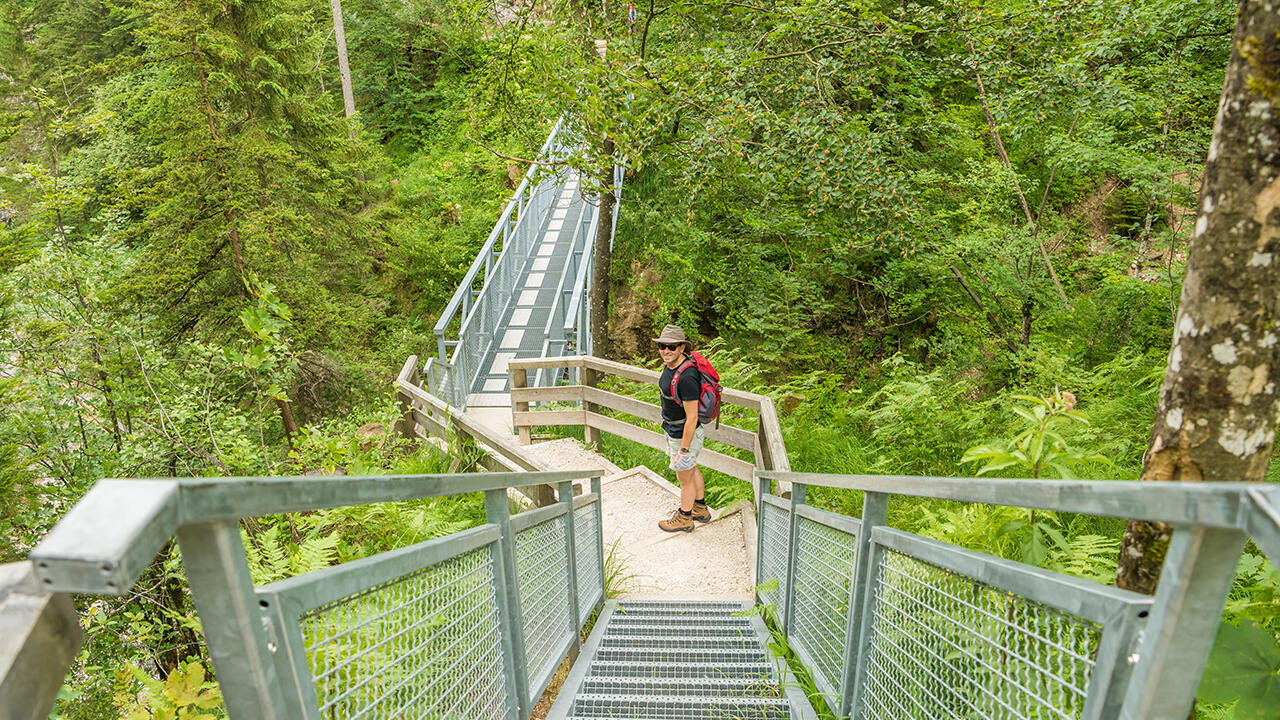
{"x": 1216, "y": 417}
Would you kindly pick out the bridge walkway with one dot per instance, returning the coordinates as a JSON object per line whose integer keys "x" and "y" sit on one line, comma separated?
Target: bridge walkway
{"x": 523, "y": 329}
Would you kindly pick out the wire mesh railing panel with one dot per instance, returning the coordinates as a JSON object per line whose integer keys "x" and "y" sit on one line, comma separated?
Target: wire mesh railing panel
{"x": 776, "y": 527}
{"x": 944, "y": 645}
{"x": 586, "y": 547}
{"x": 821, "y": 597}
{"x": 542, "y": 572}
{"x": 427, "y": 644}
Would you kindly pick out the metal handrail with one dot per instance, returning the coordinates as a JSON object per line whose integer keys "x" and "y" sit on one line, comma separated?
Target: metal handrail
{"x": 458, "y": 299}
{"x": 561, "y": 325}
{"x": 1152, "y": 650}
{"x": 256, "y": 635}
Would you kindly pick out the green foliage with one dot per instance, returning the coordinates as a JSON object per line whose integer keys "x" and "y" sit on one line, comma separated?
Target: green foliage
{"x": 1244, "y": 668}
{"x": 1040, "y": 447}
{"x": 183, "y": 695}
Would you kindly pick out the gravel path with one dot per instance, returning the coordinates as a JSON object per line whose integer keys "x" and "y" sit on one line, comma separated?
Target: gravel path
{"x": 710, "y": 562}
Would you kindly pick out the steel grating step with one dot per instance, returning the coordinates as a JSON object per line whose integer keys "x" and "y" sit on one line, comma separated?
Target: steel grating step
{"x": 680, "y": 607}
{"x": 672, "y": 707}
{"x": 665, "y": 655}
{"x": 690, "y": 631}
{"x": 761, "y": 686}
{"x": 677, "y": 640}
{"x": 692, "y": 671}
{"x": 725, "y": 624}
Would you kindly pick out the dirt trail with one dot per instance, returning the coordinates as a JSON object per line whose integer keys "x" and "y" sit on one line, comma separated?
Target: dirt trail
{"x": 710, "y": 562}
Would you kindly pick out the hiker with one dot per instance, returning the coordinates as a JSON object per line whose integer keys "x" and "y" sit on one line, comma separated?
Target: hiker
{"x": 684, "y": 431}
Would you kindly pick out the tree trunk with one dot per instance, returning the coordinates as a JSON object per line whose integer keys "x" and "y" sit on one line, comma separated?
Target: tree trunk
{"x": 340, "y": 36}
{"x": 603, "y": 259}
{"x": 1217, "y": 412}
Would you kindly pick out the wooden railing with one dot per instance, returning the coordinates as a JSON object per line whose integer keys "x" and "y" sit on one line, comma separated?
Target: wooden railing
{"x": 765, "y": 443}
{"x": 424, "y": 415}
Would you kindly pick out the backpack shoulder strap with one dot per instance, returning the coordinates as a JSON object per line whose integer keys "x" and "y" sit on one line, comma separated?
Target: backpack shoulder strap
{"x": 675, "y": 376}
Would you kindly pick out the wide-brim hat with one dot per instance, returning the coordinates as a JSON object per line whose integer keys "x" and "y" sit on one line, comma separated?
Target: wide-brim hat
{"x": 671, "y": 335}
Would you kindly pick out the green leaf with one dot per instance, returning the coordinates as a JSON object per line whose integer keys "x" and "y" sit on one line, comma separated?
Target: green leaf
{"x": 1244, "y": 665}
{"x": 182, "y": 687}
{"x": 1011, "y": 526}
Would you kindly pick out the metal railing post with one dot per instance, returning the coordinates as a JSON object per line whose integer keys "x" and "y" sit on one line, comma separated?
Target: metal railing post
{"x": 595, "y": 488}
{"x": 218, "y": 573}
{"x": 763, "y": 486}
{"x": 515, "y": 667}
{"x": 875, "y": 512}
{"x": 1194, "y": 581}
{"x": 793, "y": 538}
{"x": 565, "y": 490}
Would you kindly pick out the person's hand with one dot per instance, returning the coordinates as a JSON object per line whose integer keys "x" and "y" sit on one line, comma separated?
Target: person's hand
{"x": 683, "y": 461}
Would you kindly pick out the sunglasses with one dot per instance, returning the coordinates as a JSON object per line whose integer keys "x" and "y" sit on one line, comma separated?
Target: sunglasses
{"x": 665, "y": 346}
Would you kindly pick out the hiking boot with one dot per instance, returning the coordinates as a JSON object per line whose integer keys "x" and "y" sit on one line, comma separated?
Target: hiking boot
{"x": 701, "y": 512}
{"x": 677, "y": 521}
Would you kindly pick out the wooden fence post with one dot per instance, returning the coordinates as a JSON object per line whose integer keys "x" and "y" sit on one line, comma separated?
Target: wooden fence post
{"x": 590, "y": 378}
{"x": 520, "y": 379}
{"x": 406, "y": 425}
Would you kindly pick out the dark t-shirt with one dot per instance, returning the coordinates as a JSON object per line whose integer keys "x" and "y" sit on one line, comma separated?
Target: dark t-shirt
{"x": 688, "y": 389}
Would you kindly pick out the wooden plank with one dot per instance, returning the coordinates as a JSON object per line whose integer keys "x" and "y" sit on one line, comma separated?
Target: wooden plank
{"x": 430, "y": 424}
{"x": 622, "y": 403}
{"x": 473, "y": 429}
{"x": 728, "y": 434}
{"x": 740, "y": 469}
{"x": 549, "y": 417}
{"x": 777, "y": 449}
{"x": 546, "y": 394}
{"x": 548, "y": 362}
{"x": 609, "y": 367}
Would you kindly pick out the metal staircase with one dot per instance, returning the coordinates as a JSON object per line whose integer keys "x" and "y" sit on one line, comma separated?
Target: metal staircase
{"x": 678, "y": 660}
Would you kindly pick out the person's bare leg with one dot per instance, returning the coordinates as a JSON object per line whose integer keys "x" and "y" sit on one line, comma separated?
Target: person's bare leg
{"x": 700, "y": 487}
{"x": 690, "y": 482}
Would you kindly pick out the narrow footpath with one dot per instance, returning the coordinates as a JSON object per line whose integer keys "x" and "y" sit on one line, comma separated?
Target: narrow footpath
{"x": 710, "y": 563}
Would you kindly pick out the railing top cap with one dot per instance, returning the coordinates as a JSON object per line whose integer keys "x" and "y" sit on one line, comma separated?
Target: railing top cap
{"x": 1227, "y": 505}
{"x": 107, "y": 540}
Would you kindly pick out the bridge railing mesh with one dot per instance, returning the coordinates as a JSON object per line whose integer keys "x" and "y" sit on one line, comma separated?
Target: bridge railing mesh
{"x": 822, "y": 594}
{"x": 542, "y": 571}
{"x": 775, "y": 553}
{"x": 893, "y": 625}
{"x": 588, "y": 549}
{"x": 427, "y": 639}
{"x": 446, "y": 628}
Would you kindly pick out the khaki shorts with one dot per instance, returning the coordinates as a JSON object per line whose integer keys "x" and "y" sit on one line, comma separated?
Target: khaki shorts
{"x": 695, "y": 447}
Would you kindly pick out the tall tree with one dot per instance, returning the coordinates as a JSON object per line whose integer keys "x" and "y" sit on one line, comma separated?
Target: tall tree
{"x": 1217, "y": 411}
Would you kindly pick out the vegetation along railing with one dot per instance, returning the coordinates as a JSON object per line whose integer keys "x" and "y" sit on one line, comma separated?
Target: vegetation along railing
{"x": 471, "y": 625}
{"x": 894, "y": 625}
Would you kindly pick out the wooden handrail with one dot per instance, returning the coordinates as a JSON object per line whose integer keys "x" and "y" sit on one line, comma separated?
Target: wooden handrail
{"x": 766, "y": 442}
{"x": 423, "y": 415}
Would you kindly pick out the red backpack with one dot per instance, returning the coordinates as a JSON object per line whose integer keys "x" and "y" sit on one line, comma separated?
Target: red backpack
{"x": 708, "y": 394}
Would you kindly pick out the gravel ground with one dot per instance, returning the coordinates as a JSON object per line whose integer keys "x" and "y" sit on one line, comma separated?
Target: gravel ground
{"x": 710, "y": 562}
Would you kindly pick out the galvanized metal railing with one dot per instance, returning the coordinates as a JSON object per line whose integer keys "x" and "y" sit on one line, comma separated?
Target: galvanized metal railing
{"x": 483, "y": 295}
{"x": 568, "y": 326}
{"x": 486, "y": 288}
{"x": 895, "y": 625}
{"x": 470, "y": 625}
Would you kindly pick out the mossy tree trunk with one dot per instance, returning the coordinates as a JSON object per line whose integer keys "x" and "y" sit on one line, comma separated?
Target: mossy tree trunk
{"x": 1216, "y": 418}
